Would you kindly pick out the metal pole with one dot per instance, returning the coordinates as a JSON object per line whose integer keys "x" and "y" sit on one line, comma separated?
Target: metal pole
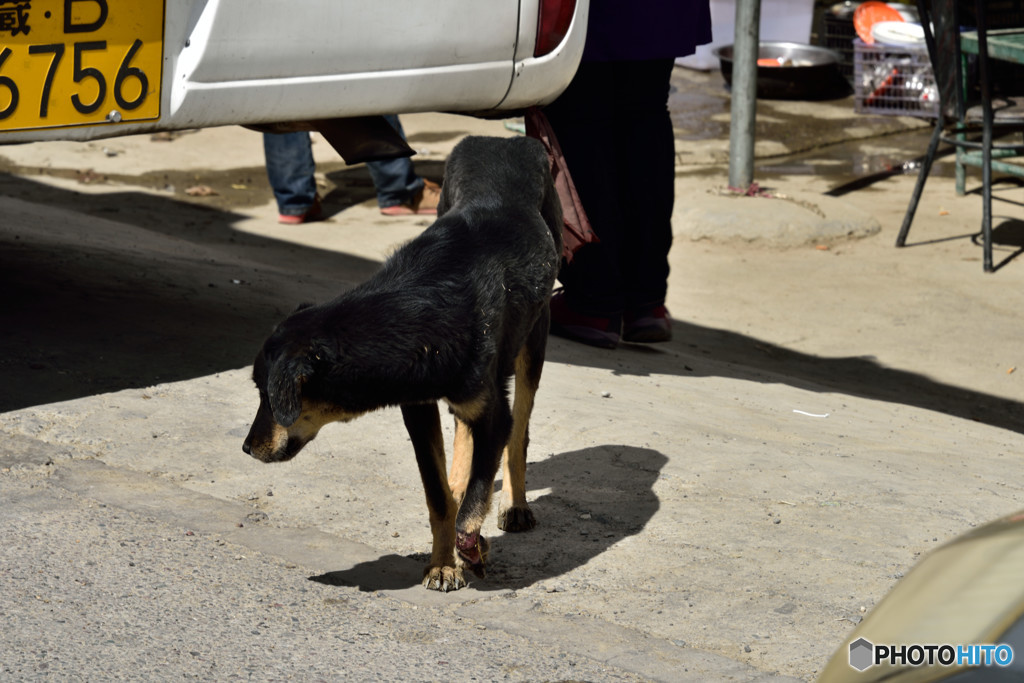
{"x": 744, "y": 93}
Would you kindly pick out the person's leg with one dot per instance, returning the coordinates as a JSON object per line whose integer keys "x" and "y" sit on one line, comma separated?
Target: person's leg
{"x": 646, "y": 146}
{"x": 583, "y": 121}
{"x": 398, "y": 186}
{"x": 290, "y": 169}
{"x": 395, "y": 179}
{"x": 614, "y": 129}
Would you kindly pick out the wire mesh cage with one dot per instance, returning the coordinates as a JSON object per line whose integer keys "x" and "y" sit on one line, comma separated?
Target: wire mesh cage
{"x": 894, "y": 80}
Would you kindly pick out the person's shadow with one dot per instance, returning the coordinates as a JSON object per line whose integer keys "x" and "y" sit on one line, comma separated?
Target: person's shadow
{"x": 595, "y": 498}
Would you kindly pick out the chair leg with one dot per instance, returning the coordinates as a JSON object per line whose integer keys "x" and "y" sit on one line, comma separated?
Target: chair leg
{"x": 922, "y": 176}
{"x": 986, "y": 137}
{"x": 960, "y": 169}
{"x": 986, "y": 191}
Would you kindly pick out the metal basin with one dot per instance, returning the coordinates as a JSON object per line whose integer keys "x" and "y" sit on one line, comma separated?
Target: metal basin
{"x": 804, "y": 72}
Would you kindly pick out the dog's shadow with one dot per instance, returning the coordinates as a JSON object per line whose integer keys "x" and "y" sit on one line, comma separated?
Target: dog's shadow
{"x": 591, "y": 500}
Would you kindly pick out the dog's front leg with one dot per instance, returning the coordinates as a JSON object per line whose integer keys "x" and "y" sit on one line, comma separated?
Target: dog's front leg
{"x": 423, "y": 421}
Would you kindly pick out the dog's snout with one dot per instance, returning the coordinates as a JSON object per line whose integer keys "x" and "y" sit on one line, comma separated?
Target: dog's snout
{"x": 246, "y": 447}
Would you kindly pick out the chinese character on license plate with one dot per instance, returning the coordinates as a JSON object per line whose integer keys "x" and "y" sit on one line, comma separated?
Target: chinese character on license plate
{"x": 79, "y": 62}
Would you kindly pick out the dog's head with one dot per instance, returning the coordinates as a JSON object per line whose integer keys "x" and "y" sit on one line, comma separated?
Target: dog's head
{"x": 293, "y": 408}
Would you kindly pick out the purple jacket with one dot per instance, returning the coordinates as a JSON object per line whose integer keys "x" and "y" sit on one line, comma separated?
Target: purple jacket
{"x": 627, "y": 30}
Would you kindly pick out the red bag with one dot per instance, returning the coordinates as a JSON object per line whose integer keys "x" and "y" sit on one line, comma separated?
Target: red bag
{"x": 576, "y": 227}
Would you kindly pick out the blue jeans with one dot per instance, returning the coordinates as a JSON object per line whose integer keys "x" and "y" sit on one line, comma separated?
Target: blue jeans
{"x": 290, "y": 169}
{"x": 395, "y": 179}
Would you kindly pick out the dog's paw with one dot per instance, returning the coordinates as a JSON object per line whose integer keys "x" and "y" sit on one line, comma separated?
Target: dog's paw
{"x": 471, "y": 552}
{"x": 516, "y": 519}
{"x": 443, "y": 579}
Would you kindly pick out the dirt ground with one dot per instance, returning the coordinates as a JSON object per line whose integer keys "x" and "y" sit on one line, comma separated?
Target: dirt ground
{"x": 829, "y": 409}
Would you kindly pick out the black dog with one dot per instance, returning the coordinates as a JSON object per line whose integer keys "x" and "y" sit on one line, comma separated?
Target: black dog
{"x": 451, "y": 315}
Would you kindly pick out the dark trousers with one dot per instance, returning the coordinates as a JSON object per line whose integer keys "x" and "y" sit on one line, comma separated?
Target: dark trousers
{"x": 614, "y": 128}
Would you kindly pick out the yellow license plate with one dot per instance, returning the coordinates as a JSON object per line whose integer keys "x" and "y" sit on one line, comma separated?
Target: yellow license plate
{"x": 79, "y": 62}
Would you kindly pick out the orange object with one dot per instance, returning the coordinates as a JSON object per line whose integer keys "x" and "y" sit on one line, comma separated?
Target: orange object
{"x": 880, "y": 90}
{"x": 869, "y": 14}
{"x": 768, "y": 61}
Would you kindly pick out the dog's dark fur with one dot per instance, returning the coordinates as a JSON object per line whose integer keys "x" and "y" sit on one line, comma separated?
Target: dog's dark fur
{"x": 451, "y": 315}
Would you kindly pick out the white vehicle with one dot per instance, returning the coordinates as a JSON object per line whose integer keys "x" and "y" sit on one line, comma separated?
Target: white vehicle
{"x": 86, "y": 69}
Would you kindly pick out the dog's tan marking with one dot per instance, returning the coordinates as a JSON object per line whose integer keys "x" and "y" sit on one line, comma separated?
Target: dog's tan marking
{"x": 272, "y": 443}
{"x": 314, "y": 417}
{"x": 513, "y": 511}
{"x": 443, "y": 574}
{"x": 269, "y": 447}
{"x": 470, "y": 410}
{"x": 462, "y": 448}
{"x": 462, "y": 460}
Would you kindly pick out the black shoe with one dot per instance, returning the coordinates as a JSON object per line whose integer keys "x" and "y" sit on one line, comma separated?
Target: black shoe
{"x": 592, "y": 330}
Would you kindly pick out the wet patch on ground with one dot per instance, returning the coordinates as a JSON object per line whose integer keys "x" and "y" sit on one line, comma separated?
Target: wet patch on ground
{"x": 830, "y": 133}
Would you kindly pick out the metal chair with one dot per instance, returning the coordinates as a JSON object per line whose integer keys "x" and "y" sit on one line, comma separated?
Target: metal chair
{"x": 964, "y": 116}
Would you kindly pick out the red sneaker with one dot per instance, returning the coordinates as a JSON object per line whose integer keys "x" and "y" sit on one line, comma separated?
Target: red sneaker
{"x": 313, "y": 213}
{"x": 647, "y": 325}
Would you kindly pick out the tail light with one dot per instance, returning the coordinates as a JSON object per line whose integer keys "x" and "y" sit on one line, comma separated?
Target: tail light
{"x": 555, "y": 17}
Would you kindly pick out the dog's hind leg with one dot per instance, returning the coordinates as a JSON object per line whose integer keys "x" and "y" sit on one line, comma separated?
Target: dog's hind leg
{"x": 458, "y": 481}
{"x": 482, "y": 429}
{"x": 423, "y": 422}
{"x": 514, "y": 513}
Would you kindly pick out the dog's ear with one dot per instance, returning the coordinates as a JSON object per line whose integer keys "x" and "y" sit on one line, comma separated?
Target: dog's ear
{"x": 284, "y": 386}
